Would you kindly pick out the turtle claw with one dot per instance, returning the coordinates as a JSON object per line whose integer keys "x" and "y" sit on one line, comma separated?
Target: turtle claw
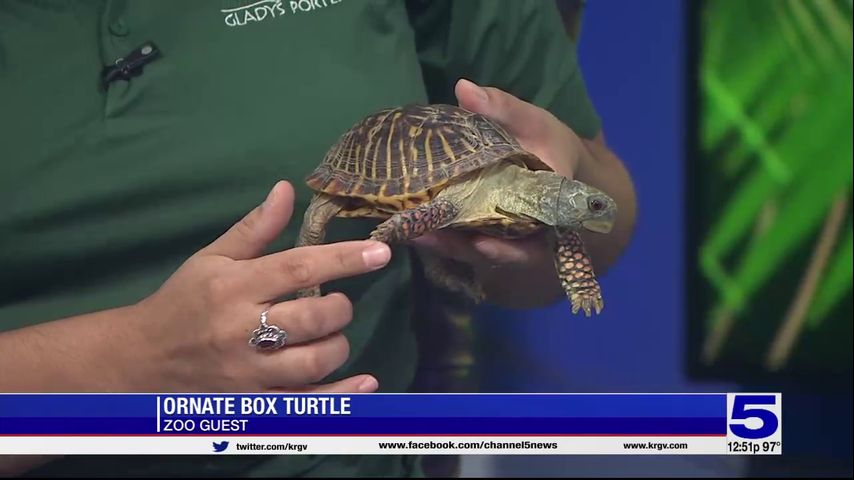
{"x": 588, "y": 301}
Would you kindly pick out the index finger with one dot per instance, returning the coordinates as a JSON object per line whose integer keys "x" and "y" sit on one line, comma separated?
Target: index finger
{"x": 278, "y": 274}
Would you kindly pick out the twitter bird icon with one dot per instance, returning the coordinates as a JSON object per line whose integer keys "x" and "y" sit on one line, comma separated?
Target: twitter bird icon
{"x": 220, "y": 447}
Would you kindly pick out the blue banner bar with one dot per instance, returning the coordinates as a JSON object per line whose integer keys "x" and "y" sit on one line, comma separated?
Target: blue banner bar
{"x": 371, "y": 426}
{"x": 372, "y": 414}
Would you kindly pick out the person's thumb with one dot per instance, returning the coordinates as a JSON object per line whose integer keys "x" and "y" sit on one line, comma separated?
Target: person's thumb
{"x": 248, "y": 237}
{"x": 521, "y": 119}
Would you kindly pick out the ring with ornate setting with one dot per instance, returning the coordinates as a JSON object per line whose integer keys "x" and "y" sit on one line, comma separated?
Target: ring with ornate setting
{"x": 266, "y": 336}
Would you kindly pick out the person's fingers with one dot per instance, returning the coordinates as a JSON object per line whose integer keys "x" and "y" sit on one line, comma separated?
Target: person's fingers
{"x": 280, "y": 273}
{"x": 248, "y": 237}
{"x": 449, "y": 244}
{"x": 523, "y": 120}
{"x": 296, "y": 366}
{"x": 504, "y": 252}
{"x": 481, "y": 250}
{"x": 354, "y": 384}
{"x": 537, "y": 130}
{"x": 308, "y": 319}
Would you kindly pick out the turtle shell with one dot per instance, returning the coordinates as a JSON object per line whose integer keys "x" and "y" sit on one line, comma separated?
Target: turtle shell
{"x": 402, "y": 156}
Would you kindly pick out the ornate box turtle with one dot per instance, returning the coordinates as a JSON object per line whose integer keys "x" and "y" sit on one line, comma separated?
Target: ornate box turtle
{"x": 429, "y": 167}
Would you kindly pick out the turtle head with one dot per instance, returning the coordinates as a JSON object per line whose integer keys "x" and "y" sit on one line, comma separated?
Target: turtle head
{"x": 581, "y": 206}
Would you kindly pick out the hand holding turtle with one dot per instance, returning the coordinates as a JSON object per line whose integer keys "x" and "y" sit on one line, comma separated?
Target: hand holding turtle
{"x": 540, "y": 133}
{"x": 536, "y": 129}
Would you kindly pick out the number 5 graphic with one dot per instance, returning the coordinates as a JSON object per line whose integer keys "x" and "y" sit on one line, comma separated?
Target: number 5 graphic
{"x": 740, "y": 411}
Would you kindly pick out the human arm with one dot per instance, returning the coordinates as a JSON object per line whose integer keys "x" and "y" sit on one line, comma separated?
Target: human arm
{"x": 191, "y": 335}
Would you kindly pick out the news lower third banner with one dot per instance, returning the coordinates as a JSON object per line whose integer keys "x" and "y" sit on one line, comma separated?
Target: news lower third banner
{"x": 381, "y": 424}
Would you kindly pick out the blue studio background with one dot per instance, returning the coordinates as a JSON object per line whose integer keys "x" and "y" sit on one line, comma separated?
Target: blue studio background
{"x": 633, "y": 55}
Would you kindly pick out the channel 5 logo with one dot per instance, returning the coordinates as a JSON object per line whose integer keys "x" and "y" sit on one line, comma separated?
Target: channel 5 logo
{"x": 755, "y": 416}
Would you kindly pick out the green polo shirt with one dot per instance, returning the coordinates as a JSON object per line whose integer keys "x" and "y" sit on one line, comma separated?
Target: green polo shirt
{"x": 104, "y": 192}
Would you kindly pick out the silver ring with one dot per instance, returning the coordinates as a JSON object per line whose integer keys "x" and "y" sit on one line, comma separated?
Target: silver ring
{"x": 267, "y": 337}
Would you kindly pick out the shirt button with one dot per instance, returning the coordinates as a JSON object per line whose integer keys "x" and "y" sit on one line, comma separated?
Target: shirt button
{"x": 118, "y": 28}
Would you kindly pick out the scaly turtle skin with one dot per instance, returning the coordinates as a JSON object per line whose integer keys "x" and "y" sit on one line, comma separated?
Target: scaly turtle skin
{"x": 429, "y": 167}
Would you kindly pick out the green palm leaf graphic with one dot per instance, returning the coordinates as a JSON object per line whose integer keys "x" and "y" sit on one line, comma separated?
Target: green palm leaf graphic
{"x": 776, "y": 86}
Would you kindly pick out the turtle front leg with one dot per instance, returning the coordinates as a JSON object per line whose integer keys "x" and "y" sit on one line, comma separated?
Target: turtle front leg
{"x": 415, "y": 222}
{"x": 322, "y": 208}
{"x": 445, "y": 273}
{"x": 576, "y": 273}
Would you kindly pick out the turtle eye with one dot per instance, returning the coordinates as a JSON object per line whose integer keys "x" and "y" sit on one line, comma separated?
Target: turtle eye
{"x": 596, "y": 204}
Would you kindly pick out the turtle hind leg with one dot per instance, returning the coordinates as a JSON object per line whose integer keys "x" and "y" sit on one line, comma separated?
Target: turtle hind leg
{"x": 415, "y": 222}
{"x": 322, "y": 208}
{"x": 576, "y": 273}
{"x": 452, "y": 276}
